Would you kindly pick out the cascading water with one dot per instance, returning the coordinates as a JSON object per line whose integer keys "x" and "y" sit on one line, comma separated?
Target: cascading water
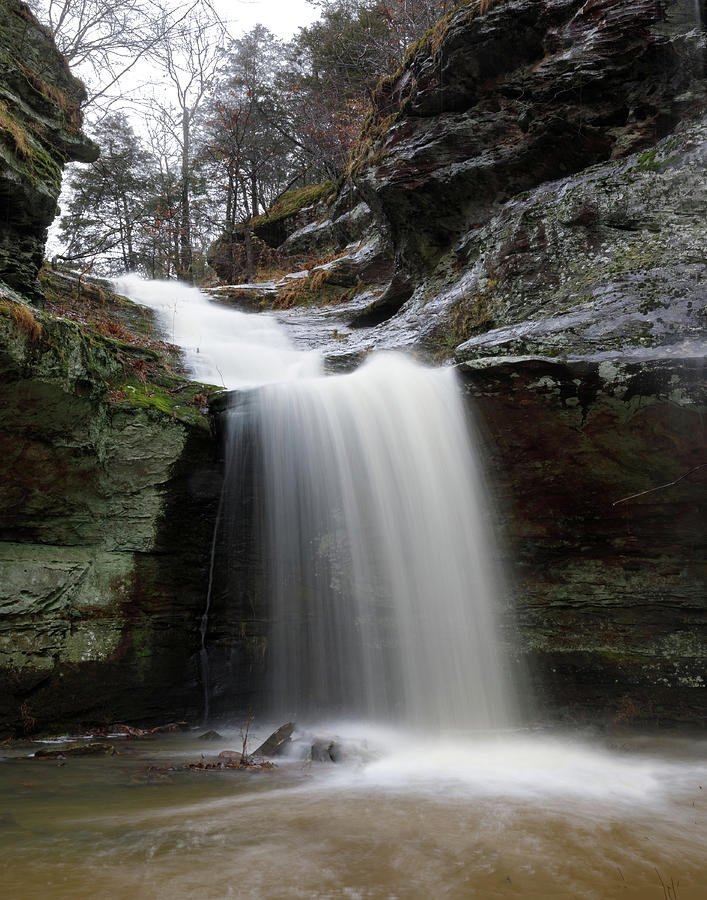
{"x": 223, "y": 346}
{"x": 379, "y": 565}
{"x": 379, "y": 570}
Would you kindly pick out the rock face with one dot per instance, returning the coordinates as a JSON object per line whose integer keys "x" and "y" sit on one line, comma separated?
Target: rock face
{"x": 536, "y": 178}
{"x": 101, "y": 581}
{"x": 536, "y": 174}
{"x": 496, "y": 103}
{"x": 539, "y": 170}
{"x": 609, "y": 597}
{"x": 605, "y": 263}
{"x": 40, "y": 131}
{"x": 106, "y": 511}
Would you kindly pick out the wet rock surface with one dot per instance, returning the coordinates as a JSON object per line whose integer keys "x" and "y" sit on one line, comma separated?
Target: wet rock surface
{"x": 40, "y": 131}
{"x": 525, "y": 204}
{"x": 608, "y": 597}
{"x": 326, "y": 752}
{"x": 94, "y": 748}
{"x": 564, "y": 274}
{"x": 278, "y": 741}
{"x": 98, "y": 576}
{"x": 530, "y": 91}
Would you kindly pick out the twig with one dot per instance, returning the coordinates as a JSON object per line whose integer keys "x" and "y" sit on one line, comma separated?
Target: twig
{"x": 660, "y": 486}
{"x": 245, "y": 728}
{"x": 670, "y": 891}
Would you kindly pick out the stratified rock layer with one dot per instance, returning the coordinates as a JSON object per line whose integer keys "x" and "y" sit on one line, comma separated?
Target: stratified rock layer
{"x": 529, "y": 91}
{"x": 609, "y": 597}
{"x": 107, "y": 501}
{"x": 540, "y": 170}
{"x": 40, "y": 131}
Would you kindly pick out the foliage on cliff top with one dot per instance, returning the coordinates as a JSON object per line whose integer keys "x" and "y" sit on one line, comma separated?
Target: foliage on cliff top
{"x": 291, "y": 202}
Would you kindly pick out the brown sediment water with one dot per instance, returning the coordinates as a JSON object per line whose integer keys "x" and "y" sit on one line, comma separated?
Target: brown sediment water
{"x": 400, "y": 817}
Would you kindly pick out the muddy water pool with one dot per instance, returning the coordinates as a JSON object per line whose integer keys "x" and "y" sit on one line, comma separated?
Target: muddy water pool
{"x": 402, "y": 816}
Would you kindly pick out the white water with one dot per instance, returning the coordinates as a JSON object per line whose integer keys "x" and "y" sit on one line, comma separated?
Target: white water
{"x": 380, "y": 578}
{"x": 223, "y": 346}
{"x": 403, "y": 815}
{"x": 398, "y": 818}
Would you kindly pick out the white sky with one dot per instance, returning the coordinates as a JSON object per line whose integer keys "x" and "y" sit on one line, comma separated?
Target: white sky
{"x": 282, "y": 17}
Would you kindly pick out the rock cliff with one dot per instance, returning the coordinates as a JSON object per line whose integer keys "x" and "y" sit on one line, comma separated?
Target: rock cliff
{"x": 495, "y": 102}
{"x": 535, "y": 172}
{"x": 527, "y": 202}
{"x": 40, "y": 131}
{"x": 551, "y": 157}
{"x": 108, "y": 486}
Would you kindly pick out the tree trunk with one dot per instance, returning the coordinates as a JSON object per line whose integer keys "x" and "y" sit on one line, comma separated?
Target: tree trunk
{"x": 184, "y": 259}
{"x": 249, "y": 251}
{"x": 254, "y": 194}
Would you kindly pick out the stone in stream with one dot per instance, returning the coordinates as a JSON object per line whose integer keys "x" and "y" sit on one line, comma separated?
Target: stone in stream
{"x": 277, "y": 742}
{"x": 92, "y": 749}
{"x": 320, "y": 752}
{"x": 326, "y": 751}
{"x": 210, "y": 736}
{"x": 231, "y": 755}
{"x": 336, "y": 754}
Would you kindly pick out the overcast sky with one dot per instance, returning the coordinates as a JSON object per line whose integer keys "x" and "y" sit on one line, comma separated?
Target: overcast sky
{"x": 282, "y": 17}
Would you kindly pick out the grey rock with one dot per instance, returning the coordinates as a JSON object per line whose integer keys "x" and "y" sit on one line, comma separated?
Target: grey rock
{"x": 278, "y": 741}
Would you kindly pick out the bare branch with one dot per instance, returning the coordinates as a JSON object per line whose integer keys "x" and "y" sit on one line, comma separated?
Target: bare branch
{"x": 660, "y": 487}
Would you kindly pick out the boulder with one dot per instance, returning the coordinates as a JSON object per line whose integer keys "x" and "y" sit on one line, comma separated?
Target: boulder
{"x": 278, "y": 741}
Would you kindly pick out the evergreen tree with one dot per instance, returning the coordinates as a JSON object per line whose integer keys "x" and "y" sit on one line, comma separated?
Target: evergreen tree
{"x": 107, "y": 206}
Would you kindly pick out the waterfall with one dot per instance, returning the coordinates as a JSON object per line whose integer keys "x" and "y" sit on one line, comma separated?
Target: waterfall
{"x": 381, "y": 588}
{"x": 379, "y": 566}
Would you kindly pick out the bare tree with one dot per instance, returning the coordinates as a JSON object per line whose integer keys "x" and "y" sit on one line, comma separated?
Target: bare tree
{"x": 105, "y": 39}
{"x": 190, "y": 58}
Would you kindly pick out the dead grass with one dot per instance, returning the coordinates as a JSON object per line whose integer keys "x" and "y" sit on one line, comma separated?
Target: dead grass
{"x": 24, "y": 319}
{"x": 15, "y": 130}
{"x": 314, "y": 290}
{"x": 318, "y": 279}
{"x": 51, "y": 92}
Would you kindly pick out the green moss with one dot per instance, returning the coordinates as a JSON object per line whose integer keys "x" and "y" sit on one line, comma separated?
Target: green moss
{"x": 625, "y": 657}
{"x": 44, "y": 168}
{"x": 650, "y": 304}
{"x": 182, "y": 402}
{"x": 293, "y": 201}
{"x": 647, "y": 161}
